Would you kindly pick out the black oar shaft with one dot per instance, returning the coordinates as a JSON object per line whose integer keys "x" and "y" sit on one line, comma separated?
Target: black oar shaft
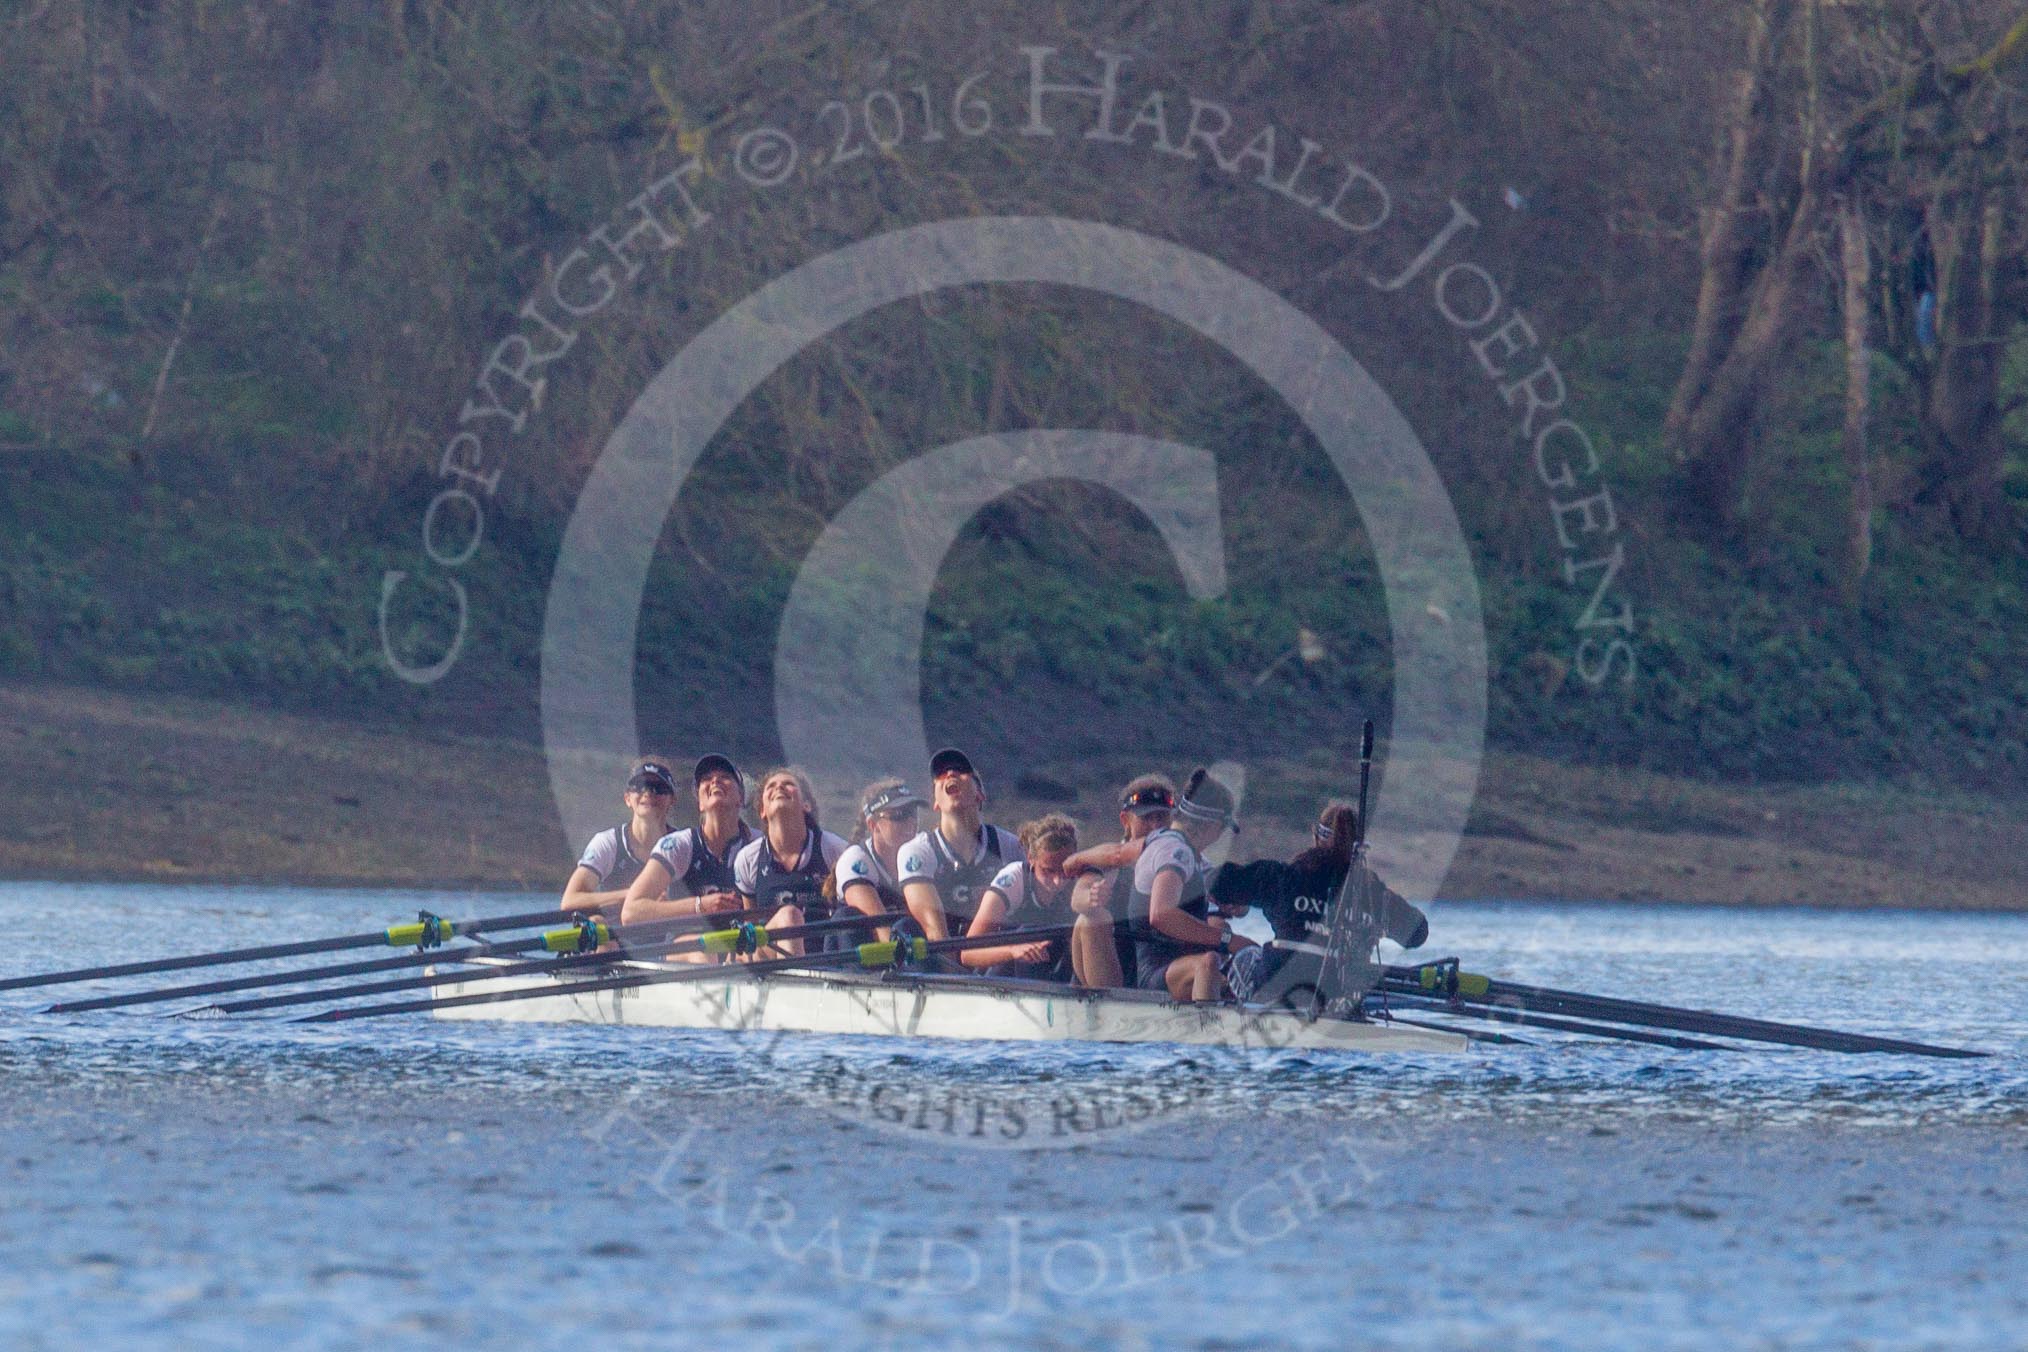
{"x": 650, "y": 930}
{"x": 1509, "y": 1014}
{"x": 1484, "y": 992}
{"x": 650, "y": 950}
{"x": 631, "y": 980}
{"x": 1552, "y": 1001}
{"x": 302, "y": 948}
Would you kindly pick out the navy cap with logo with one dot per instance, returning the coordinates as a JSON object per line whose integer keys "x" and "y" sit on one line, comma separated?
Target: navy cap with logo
{"x": 1149, "y": 798}
{"x": 714, "y": 763}
{"x": 652, "y": 773}
{"x": 951, "y": 759}
{"x": 892, "y": 797}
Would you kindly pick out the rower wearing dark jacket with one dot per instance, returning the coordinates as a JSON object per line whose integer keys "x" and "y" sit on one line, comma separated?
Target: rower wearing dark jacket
{"x": 1297, "y": 898}
{"x": 944, "y": 871}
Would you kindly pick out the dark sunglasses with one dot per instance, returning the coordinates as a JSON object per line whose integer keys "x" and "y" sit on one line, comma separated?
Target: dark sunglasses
{"x": 897, "y": 814}
{"x": 655, "y": 790}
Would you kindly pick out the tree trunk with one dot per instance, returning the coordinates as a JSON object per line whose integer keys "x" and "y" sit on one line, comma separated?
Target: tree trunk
{"x": 1727, "y": 253}
{"x": 1964, "y": 435}
{"x": 1717, "y": 441}
{"x": 1857, "y": 260}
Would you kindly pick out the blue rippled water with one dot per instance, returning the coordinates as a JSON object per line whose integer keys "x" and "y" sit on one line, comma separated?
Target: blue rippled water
{"x": 172, "y": 1181}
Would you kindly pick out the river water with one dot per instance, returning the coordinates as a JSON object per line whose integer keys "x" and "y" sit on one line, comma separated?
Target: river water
{"x": 257, "y": 1183}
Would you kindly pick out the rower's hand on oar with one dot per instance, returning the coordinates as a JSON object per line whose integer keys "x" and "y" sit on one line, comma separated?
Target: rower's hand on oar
{"x": 1035, "y": 952}
{"x": 713, "y": 902}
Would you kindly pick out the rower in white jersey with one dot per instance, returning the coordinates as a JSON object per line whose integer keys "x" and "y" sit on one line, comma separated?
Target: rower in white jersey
{"x": 1031, "y": 893}
{"x": 868, "y": 874}
{"x": 945, "y": 870}
{"x": 615, "y": 857}
{"x": 1179, "y": 948}
{"x": 694, "y": 865}
{"x": 1102, "y": 946}
{"x": 786, "y": 873}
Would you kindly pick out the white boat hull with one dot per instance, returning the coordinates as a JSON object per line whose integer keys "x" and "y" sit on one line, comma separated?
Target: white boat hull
{"x": 915, "y": 1005}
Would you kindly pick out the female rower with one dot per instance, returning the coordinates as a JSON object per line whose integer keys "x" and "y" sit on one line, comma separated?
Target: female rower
{"x": 786, "y": 873}
{"x": 1297, "y": 899}
{"x": 944, "y": 870}
{"x": 868, "y": 877}
{"x": 615, "y": 858}
{"x": 1102, "y": 947}
{"x": 1027, "y": 894}
{"x": 695, "y": 864}
{"x": 1178, "y": 947}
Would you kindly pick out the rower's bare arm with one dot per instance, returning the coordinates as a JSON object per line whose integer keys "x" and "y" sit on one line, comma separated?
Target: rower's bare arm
{"x": 1166, "y": 913}
{"x": 644, "y": 901}
{"x": 1093, "y": 895}
{"x": 581, "y": 892}
{"x": 1112, "y": 855}
{"x": 927, "y": 906}
{"x": 863, "y": 897}
{"x": 992, "y": 906}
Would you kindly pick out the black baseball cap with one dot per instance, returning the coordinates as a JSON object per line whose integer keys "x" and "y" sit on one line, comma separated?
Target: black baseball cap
{"x": 1149, "y": 798}
{"x": 895, "y": 795}
{"x": 653, "y": 772}
{"x": 709, "y": 763}
{"x": 949, "y": 759}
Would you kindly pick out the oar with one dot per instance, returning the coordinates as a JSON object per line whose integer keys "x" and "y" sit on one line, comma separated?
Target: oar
{"x": 426, "y": 931}
{"x": 1508, "y": 1014}
{"x": 1468, "y": 1034}
{"x": 589, "y": 933}
{"x": 881, "y": 954}
{"x": 743, "y": 938}
{"x": 1444, "y": 980}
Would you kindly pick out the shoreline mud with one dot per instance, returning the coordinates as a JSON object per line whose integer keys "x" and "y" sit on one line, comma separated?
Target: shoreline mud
{"x": 105, "y": 786}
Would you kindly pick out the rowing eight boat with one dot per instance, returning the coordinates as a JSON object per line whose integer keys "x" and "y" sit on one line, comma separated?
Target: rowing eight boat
{"x": 917, "y": 1004}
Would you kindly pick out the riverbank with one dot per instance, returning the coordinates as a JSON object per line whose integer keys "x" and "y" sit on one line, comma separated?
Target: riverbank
{"x": 168, "y": 788}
